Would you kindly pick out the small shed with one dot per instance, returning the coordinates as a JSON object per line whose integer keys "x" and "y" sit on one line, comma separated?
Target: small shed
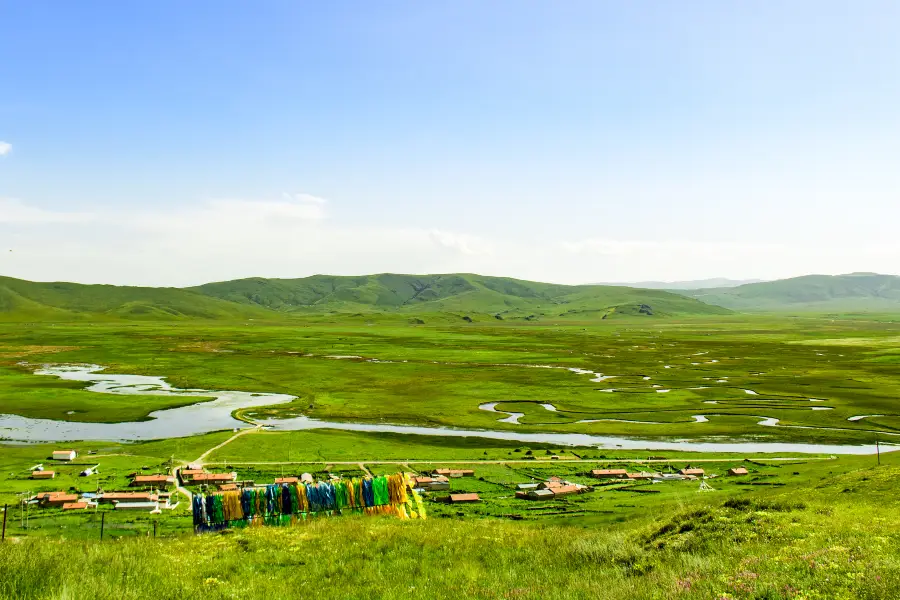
{"x": 57, "y": 499}
{"x": 64, "y": 455}
{"x": 432, "y": 484}
{"x": 189, "y": 474}
{"x": 640, "y": 476}
{"x": 609, "y": 473}
{"x": 144, "y": 506}
{"x": 454, "y": 472}
{"x": 228, "y": 487}
{"x": 694, "y": 472}
{"x": 535, "y": 495}
{"x": 127, "y": 497}
{"x": 75, "y": 506}
{"x": 738, "y": 471}
{"x": 462, "y": 498}
{"x": 564, "y": 490}
{"x": 43, "y": 474}
{"x": 287, "y": 480}
{"x": 152, "y": 481}
{"x": 214, "y": 478}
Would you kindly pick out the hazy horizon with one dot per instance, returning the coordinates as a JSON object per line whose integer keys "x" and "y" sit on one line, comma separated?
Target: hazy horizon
{"x": 178, "y": 144}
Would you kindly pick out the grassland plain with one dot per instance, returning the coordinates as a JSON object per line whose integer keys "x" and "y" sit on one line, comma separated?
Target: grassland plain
{"x": 735, "y": 371}
{"x": 832, "y": 535}
{"x": 750, "y": 538}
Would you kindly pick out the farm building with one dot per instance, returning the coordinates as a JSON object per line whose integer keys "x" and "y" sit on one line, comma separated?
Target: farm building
{"x": 535, "y": 495}
{"x": 694, "y": 472}
{"x": 64, "y": 455}
{"x": 43, "y": 474}
{"x": 738, "y": 471}
{"x": 152, "y": 507}
{"x": 527, "y": 486}
{"x": 57, "y": 499}
{"x": 75, "y": 506}
{"x": 454, "y": 472}
{"x": 230, "y": 487}
{"x": 640, "y": 476}
{"x": 127, "y": 497}
{"x": 431, "y": 484}
{"x": 287, "y": 480}
{"x": 189, "y": 474}
{"x": 609, "y": 473}
{"x": 555, "y": 487}
{"x": 152, "y": 481}
{"x": 214, "y": 478}
{"x": 461, "y": 498}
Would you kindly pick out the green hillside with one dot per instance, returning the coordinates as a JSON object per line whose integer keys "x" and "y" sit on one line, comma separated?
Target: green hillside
{"x": 853, "y": 292}
{"x": 28, "y": 300}
{"x": 502, "y": 296}
{"x": 494, "y": 297}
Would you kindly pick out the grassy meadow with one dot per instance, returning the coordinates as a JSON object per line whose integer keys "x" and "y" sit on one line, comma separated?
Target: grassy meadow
{"x": 735, "y": 371}
{"x": 801, "y": 526}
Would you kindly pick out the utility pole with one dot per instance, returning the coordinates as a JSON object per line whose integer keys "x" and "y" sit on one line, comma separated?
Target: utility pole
{"x": 878, "y": 450}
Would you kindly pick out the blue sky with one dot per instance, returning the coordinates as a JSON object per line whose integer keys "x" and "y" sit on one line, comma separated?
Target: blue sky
{"x": 171, "y": 143}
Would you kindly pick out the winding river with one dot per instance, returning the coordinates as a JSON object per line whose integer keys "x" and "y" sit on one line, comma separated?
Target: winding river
{"x": 215, "y": 414}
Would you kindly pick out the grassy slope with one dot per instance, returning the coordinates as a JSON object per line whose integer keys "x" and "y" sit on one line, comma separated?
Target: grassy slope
{"x": 441, "y": 293}
{"x": 27, "y": 300}
{"x": 858, "y": 291}
{"x": 833, "y": 538}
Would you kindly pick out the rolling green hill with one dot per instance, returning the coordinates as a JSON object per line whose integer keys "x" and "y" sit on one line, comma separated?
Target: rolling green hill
{"x": 460, "y": 295}
{"x": 815, "y": 293}
{"x": 450, "y": 293}
{"x": 28, "y": 300}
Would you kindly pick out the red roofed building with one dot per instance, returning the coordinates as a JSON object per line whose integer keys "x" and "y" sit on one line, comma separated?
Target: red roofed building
{"x": 694, "y": 472}
{"x": 57, "y": 499}
{"x": 609, "y": 473}
{"x": 127, "y": 497}
{"x": 565, "y": 490}
{"x": 152, "y": 481}
{"x": 74, "y": 505}
{"x": 462, "y": 498}
{"x": 214, "y": 478}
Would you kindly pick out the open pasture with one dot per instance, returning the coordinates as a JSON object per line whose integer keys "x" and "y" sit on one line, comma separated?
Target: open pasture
{"x": 798, "y": 379}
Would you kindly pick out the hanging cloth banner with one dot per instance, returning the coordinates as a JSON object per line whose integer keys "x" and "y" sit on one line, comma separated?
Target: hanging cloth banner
{"x": 288, "y": 503}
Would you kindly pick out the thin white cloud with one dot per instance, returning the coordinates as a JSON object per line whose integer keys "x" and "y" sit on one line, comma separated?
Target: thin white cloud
{"x": 291, "y": 237}
{"x": 5, "y": 148}
{"x": 13, "y": 210}
{"x": 303, "y": 198}
{"x": 462, "y": 243}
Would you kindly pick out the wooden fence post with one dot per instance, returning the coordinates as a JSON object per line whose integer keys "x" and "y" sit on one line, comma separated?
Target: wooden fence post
{"x": 102, "y": 524}
{"x": 5, "y": 511}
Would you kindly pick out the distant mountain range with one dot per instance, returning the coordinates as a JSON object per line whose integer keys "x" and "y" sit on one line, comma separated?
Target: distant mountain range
{"x": 454, "y": 296}
{"x": 868, "y": 292}
{"x": 463, "y": 295}
{"x": 715, "y": 282}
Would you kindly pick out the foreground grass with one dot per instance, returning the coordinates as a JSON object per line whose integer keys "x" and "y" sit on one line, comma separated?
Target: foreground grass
{"x": 841, "y": 542}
